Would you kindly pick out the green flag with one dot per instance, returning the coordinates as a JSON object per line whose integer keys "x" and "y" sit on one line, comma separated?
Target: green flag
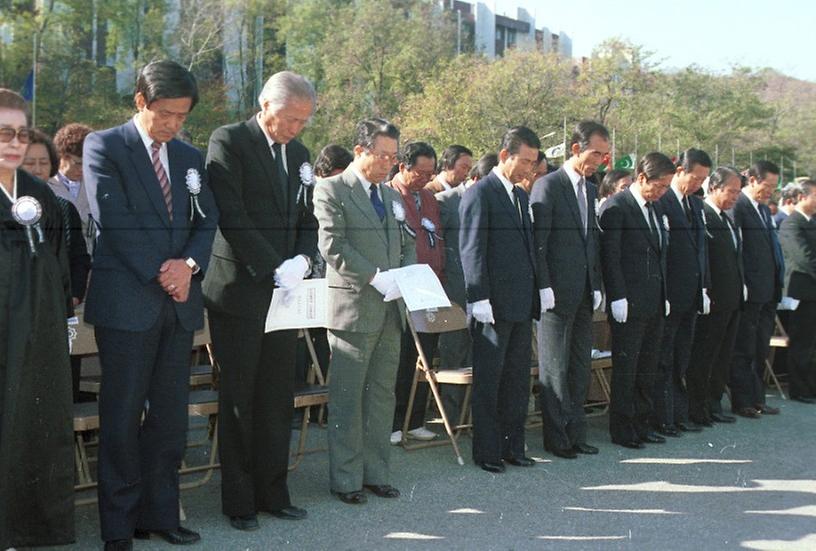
{"x": 627, "y": 162}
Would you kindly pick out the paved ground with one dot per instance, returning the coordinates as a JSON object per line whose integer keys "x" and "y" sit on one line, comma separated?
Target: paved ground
{"x": 751, "y": 485}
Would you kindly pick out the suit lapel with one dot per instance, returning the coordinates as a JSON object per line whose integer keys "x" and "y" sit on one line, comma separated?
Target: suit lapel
{"x": 572, "y": 199}
{"x": 178, "y": 185}
{"x": 262, "y": 151}
{"x": 144, "y": 170}
{"x": 362, "y": 201}
{"x": 505, "y": 201}
{"x": 641, "y": 221}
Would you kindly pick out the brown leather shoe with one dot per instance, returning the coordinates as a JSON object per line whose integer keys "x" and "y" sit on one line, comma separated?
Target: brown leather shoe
{"x": 765, "y": 409}
{"x": 748, "y": 412}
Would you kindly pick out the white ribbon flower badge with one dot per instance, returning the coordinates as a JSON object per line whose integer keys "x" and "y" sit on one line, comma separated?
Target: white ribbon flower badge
{"x": 430, "y": 227}
{"x": 27, "y": 212}
{"x": 666, "y": 222}
{"x": 193, "y": 181}
{"x": 399, "y": 216}
{"x": 307, "y": 180}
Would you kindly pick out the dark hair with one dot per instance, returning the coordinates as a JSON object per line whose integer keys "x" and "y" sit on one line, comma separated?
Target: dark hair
{"x": 484, "y": 165}
{"x": 69, "y": 139}
{"x": 9, "y": 99}
{"x": 452, "y": 154}
{"x": 414, "y": 151}
{"x": 518, "y": 135}
{"x": 655, "y": 165}
{"x": 584, "y": 131}
{"x": 691, "y": 157}
{"x": 808, "y": 187}
{"x": 542, "y": 156}
{"x": 368, "y": 130}
{"x": 610, "y": 181}
{"x": 761, "y": 169}
{"x": 332, "y": 157}
{"x": 719, "y": 178}
{"x": 38, "y": 136}
{"x": 791, "y": 192}
{"x": 166, "y": 79}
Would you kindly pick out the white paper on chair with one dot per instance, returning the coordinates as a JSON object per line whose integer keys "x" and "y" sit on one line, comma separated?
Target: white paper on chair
{"x": 307, "y": 305}
{"x": 420, "y": 287}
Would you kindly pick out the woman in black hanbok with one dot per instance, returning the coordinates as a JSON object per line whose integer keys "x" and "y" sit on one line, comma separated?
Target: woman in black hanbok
{"x": 36, "y": 460}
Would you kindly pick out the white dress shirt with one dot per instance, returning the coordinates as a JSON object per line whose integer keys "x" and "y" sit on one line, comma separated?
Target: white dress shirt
{"x": 718, "y": 210}
{"x": 635, "y": 189}
{"x": 271, "y": 142}
{"x": 148, "y": 143}
{"x": 756, "y": 206}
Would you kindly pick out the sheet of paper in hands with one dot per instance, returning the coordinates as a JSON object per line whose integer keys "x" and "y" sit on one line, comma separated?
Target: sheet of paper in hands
{"x": 302, "y": 307}
{"x": 420, "y": 287}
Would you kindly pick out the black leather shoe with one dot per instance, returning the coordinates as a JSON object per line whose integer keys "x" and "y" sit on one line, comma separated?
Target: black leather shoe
{"x": 352, "y": 498}
{"x": 382, "y": 490}
{"x": 765, "y": 409}
{"x": 668, "y": 430}
{"x": 290, "y": 513}
{"x": 492, "y": 467}
{"x": 522, "y": 461}
{"x": 802, "y": 399}
{"x": 566, "y": 453}
{"x": 653, "y": 438}
{"x": 633, "y": 444}
{"x": 246, "y": 523}
{"x": 119, "y": 545}
{"x": 585, "y": 449}
{"x": 703, "y": 421}
{"x": 723, "y": 418}
{"x": 179, "y": 536}
{"x": 748, "y": 412}
{"x": 689, "y": 427}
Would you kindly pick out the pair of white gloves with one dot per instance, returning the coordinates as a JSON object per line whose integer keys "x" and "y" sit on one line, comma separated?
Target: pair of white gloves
{"x": 482, "y": 311}
{"x": 620, "y": 307}
{"x": 291, "y": 272}
{"x": 386, "y": 284}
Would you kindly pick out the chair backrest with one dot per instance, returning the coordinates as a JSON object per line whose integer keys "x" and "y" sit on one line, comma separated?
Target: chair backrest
{"x": 439, "y": 320}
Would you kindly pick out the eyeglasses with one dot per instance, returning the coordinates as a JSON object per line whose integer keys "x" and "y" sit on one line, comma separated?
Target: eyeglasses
{"x": 7, "y": 134}
{"x": 384, "y": 157}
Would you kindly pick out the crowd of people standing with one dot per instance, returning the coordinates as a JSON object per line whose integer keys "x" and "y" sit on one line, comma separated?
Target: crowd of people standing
{"x": 146, "y": 231}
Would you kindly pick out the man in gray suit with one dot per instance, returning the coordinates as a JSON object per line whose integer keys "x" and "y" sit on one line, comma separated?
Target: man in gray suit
{"x": 361, "y": 240}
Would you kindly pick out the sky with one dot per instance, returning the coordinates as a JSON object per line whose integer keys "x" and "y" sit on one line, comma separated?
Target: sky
{"x": 714, "y": 34}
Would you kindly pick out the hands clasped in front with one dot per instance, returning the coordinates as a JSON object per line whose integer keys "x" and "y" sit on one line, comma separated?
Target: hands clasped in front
{"x": 174, "y": 277}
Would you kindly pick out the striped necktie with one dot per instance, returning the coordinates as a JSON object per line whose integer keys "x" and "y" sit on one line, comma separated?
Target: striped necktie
{"x": 164, "y": 182}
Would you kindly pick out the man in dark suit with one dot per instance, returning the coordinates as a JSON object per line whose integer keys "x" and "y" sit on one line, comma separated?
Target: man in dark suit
{"x": 714, "y": 333}
{"x": 634, "y": 239}
{"x": 764, "y": 271}
{"x": 261, "y": 179}
{"x": 569, "y": 281}
{"x": 144, "y": 300}
{"x": 496, "y": 248}
{"x": 687, "y": 287}
{"x": 798, "y": 239}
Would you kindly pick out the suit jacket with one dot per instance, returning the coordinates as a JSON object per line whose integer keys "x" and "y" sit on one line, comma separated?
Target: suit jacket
{"x": 136, "y": 235}
{"x": 686, "y": 258}
{"x": 566, "y": 259}
{"x": 763, "y": 268}
{"x": 355, "y": 243}
{"x": 81, "y": 202}
{"x": 797, "y": 236}
{"x": 725, "y": 263}
{"x": 454, "y": 283}
{"x": 633, "y": 263}
{"x": 263, "y": 221}
{"x": 496, "y": 248}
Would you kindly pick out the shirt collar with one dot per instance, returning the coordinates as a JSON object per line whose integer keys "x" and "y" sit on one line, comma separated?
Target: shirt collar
{"x": 635, "y": 189}
{"x": 753, "y": 202}
{"x": 678, "y": 194}
{"x": 711, "y": 204}
{"x": 445, "y": 185}
{"x": 365, "y": 183}
{"x": 146, "y": 139}
{"x": 65, "y": 180}
{"x": 13, "y": 195}
{"x": 270, "y": 142}
{"x": 573, "y": 176}
{"x": 803, "y": 214}
{"x": 505, "y": 182}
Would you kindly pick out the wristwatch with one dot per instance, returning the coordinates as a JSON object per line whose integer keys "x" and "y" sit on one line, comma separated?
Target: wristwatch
{"x": 192, "y": 265}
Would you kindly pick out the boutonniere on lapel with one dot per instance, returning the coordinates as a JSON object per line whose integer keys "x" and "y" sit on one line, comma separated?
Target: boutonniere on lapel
{"x": 666, "y": 222}
{"x": 27, "y": 212}
{"x": 530, "y": 212}
{"x": 430, "y": 227}
{"x": 597, "y": 206}
{"x": 193, "y": 181}
{"x": 399, "y": 216}
{"x": 705, "y": 224}
{"x": 307, "y": 181}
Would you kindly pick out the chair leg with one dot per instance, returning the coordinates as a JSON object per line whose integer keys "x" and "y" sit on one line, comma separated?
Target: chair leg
{"x": 301, "y": 449}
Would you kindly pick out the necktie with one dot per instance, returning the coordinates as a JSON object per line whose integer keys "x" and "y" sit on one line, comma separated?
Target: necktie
{"x": 164, "y": 182}
{"x": 517, "y": 204}
{"x": 687, "y": 208}
{"x": 376, "y": 202}
{"x": 652, "y": 226}
{"x": 283, "y": 179}
{"x": 727, "y": 223}
{"x": 582, "y": 204}
{"x": 417, "y": 200}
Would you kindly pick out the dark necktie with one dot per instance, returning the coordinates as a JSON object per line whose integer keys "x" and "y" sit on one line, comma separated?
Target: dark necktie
{"x": 652, "y": 226}
{"x": 687, "y": 208}
{"x": 283, "y": 178}
{"x": 582, "y": 204}
{"x": 727, "y": 223}
{"x": 376, "y": 202}
{"x": 417, "y": 200}
{"x": 164, "y": 182}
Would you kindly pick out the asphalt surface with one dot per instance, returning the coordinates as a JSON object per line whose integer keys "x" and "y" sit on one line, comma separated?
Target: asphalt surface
{"x": 749, "y": 485}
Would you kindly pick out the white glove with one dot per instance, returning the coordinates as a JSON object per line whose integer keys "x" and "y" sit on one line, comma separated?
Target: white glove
{"x": 668, "y": 308}
{"x": 547, "y": 299}
{"x": 706, "y": 303}
{"x": 383, "y": 281}
{"x": 788, "y": 303}
{"x": 483, "y": 311}
{"x": 291, "y": 272}
{"x": 745, "y": 293}
{"x": 620, "y": 310}
{"x": 597, "y": 298}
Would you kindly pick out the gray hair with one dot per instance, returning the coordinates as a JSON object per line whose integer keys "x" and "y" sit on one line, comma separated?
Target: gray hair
{"x": 284, "y": 86}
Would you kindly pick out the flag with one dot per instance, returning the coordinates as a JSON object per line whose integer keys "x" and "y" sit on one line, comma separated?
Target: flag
{"x": 555, "y": 151}
{"x": 627, "y": 162}
{"x": 28, "y": 88}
